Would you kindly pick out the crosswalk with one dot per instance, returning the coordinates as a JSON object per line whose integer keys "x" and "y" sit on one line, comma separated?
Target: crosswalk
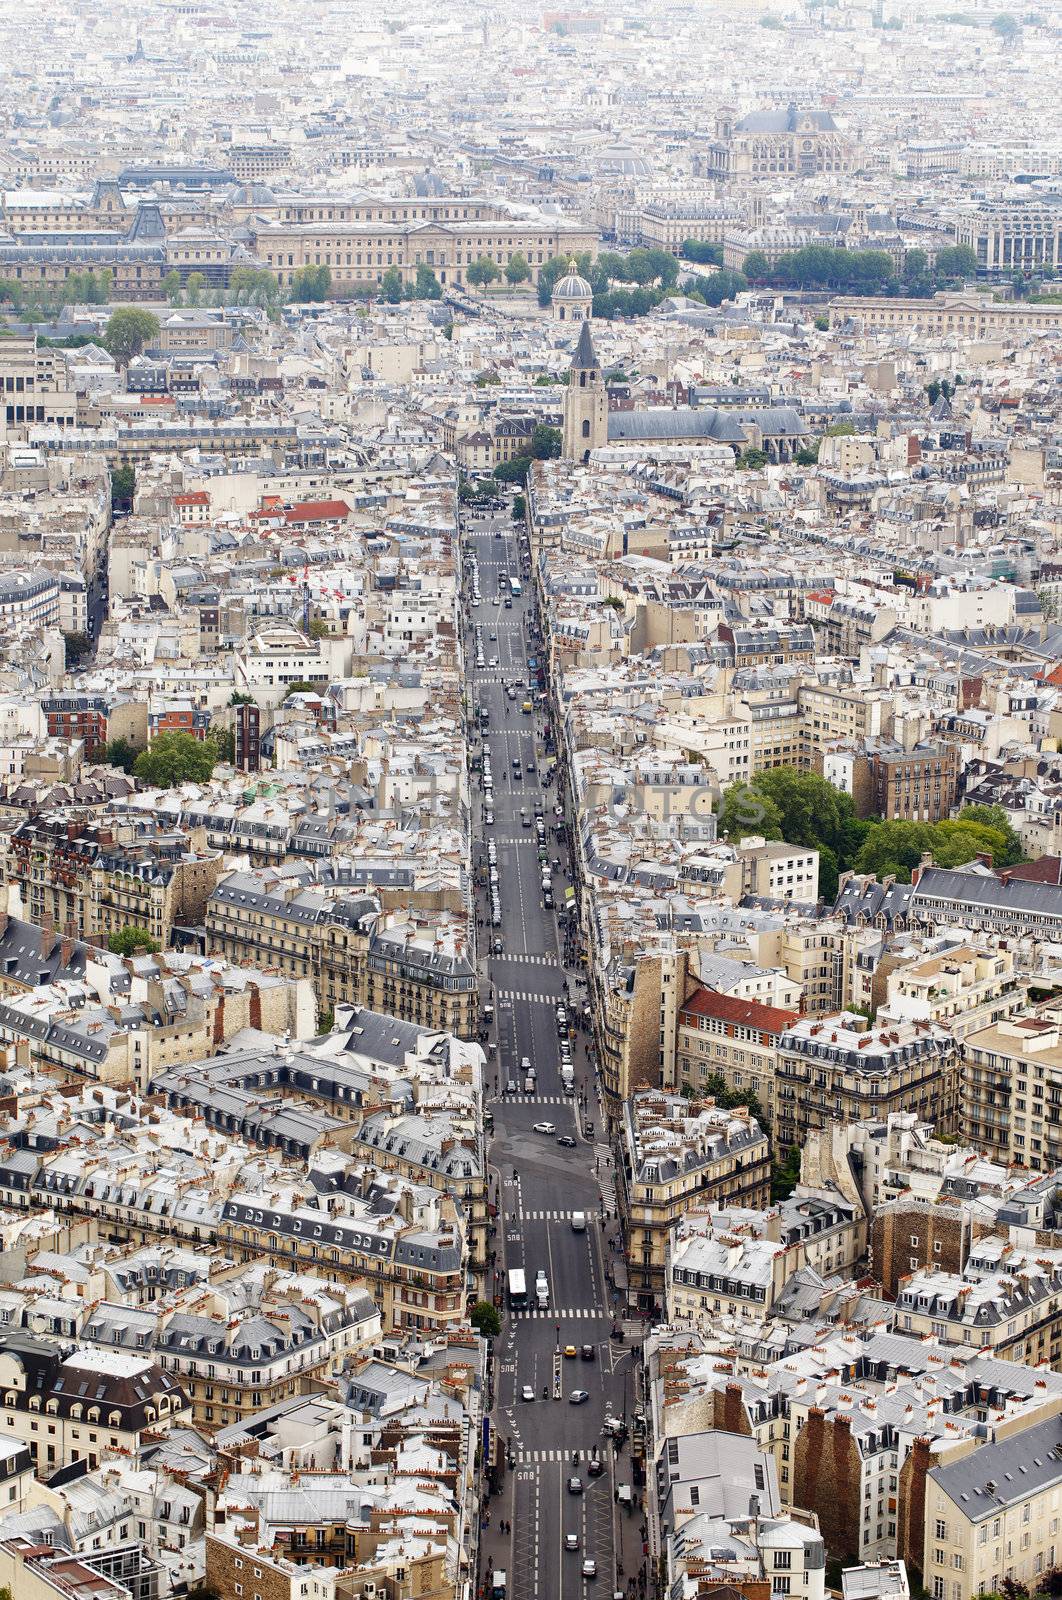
{"x": 550, "y": 1216}
{"x": 526, "y": 995}
{"x": 605, "y": 1179}
{"x": 556, "y": 1314}
{"x": 533, "y": 1099}
{"x": 542, "y": 1458}
{"x": 547, "y": 960}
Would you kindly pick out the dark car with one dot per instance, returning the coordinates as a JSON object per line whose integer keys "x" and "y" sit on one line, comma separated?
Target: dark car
{"x": 575, "y": 1485}
{"x": 595, "y": 1467}
{"x": 567, "y": 1141}
{"x": 588, "y": 1352}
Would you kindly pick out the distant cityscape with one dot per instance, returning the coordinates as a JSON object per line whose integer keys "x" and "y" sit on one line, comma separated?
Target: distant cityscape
{"x": 531, "y": 802}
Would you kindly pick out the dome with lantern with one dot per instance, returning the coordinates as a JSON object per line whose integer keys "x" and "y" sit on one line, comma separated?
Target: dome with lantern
{"x": 572, "y": 298}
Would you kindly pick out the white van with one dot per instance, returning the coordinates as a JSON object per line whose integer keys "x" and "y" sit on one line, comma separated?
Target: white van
{"x": 578, "y": 1221}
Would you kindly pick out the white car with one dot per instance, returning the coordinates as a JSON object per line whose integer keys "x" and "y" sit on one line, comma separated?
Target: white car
{"x": 527, "y": 1393}
{"x": 544, "y": 1127}
{"x": 589, "y": 1567}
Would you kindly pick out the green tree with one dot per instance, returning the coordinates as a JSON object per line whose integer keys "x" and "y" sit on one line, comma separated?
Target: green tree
{"x": 486, "y": 1319}
{"x": 175, "y": 758}
{"x": 132, "y": 941}
{"x": 556, "y": 268}
{"x": 391, "y": 286}
{"x": 224, "y": 742}
{"x": 517, "y": 269}
{"x": 123, "y": 483}
{"x": 705, "y": 254}
{"x": 785, "y": 1174}
{"x": 310, "y": 284}
{"x": 236, "y": 698}
{"x": 482, "y": 271}
{"x": 745, "y": 809}
{"x": 194, "y": 289}
{"x": 955, "y": 261}
{"x": 171, "y": 287}
{"x": 519, "y": 508}
{"x": 78, "y": 646}
{"x": 808, "y": 455}
{"x": 427, "y": 286}
{"x": 751, "y": 459}
{"x": 120, "y": 753}
{"x": 546, "y": 442}
{"x": 514, "y": 471}
{"x": 722, "y": 285}
{"x": 318, "y": 628}
{"x": 300, "y": 686}
{"x": 822, "y": 323}
{"x": 128, "y": 330}
{"x": 1006, "y": 26}
{"x": 756, "y": 266}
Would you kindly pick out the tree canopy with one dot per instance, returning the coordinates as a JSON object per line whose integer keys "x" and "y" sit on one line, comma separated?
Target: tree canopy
{"x": 310, "y": 284}
{"x": 517, "y": 269}
{"x": 128, "y": 330}
{"x": 131, "y": 941}
{"x": 803, "y": 809}
{"x": 176, "y": 758}
{"x": 482, "y": 271}
{"x": 120, "y": 753}
{"x": 705, "y": 254}
{"x": 485, "y": 1318}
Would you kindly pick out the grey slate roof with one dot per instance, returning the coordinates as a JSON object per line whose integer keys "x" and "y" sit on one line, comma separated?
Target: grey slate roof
{"x": 1005, "y": 1472}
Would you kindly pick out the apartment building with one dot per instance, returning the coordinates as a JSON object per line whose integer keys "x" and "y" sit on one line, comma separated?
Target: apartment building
{"x": 66, "y": 1403}
{"x": 419, "y": 969}
{"x": 679, "y": 1153}
{"x": 917, "y": 785}
{"x": 732, "y": 1038}
{"x": 841, "y": 1067}
{"x": 88, "y": 878}
{"x": 242, "y": 1343}
{"x": 992, "y": 1512}
{"x": 33, "y": 385}
{"x": 736, "y": 1263}
{"x": 1007, "y": 1299}
{"x": 1011, "y": 1103}
{"x": 413, "y": 1269}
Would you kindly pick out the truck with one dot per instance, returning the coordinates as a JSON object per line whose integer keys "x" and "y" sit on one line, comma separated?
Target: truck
{"x": 517, "y": 1288}
{"x": 498, "y": 1581}
{"x": 542, "y": 1289}
{"x": 568, "y": 1079}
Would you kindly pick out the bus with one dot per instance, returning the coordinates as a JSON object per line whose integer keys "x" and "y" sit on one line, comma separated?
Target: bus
{"x": 517, "y": 1289}
{"x": 516, "y": 588}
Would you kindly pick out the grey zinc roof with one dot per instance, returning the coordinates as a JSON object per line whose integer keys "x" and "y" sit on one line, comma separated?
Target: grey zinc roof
{"x": 1001, "y": 1473}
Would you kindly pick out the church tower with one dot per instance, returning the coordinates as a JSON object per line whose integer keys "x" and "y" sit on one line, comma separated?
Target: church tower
{"x": 585, "y": 402}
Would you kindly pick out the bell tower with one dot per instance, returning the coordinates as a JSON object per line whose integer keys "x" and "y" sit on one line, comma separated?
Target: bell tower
{"x": 585, "y": 403}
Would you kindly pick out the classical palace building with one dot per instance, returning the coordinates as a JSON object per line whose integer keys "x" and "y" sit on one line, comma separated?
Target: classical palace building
{"x": 361, "y": 251}
{"x": 947, "y": 313}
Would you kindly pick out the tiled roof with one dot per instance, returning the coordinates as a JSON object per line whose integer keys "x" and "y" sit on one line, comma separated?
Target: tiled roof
{"x": 747, "y": 1013}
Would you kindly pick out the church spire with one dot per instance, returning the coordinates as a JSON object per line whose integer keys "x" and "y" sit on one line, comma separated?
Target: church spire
{"x": 584, "y": 358}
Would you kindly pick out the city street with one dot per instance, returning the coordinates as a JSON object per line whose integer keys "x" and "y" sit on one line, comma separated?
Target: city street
{"x": 541, "y": 1183}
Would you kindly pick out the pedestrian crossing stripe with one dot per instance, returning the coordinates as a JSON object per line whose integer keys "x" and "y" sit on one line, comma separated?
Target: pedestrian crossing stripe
{"x": 527, "y": 997}
{"x": 533, "y": 1099}
{"x": 555, "y": 1314}
{"x": 541, "y": 1458}
{"x": 548, "y": 960}
{"x": 551, "y": 1216}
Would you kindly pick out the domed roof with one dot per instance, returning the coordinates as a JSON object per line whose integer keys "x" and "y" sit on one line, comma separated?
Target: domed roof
{"x": 572, "y": 287}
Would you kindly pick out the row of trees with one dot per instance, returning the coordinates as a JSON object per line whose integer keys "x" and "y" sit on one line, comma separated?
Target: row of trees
{"x": 654, "y": 271}
{"x": 803, "y": 809}
{"x": 545, "y": 445}
{"x": 861, "y": 271}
